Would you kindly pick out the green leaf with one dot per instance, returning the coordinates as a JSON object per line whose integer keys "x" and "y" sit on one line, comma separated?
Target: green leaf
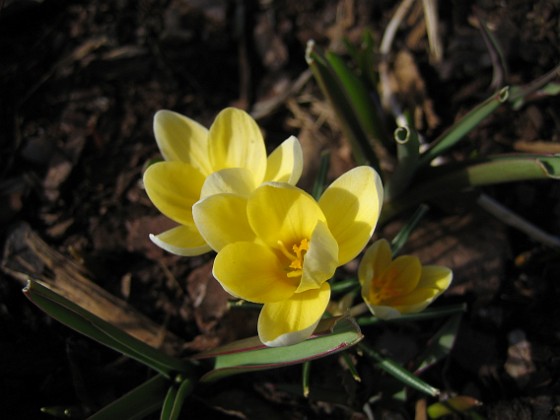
{"x": 462, "y": 127}
{"x": 398, "y": 372}
{"x": 243, "y": 304}
{"x": 175, "y": 398}
{"x": 453, "y": 178}
{"x": 454, "y": 405}
{"x": 363, "y": 57}
{"x": 321, "y": 179}
{"x": 401, "y": 238}
{"x": 360, "y": 100}
{"x": 429, "y": 313}
{"x": 64, "y": 412}
{"x": 495, "y": 50}
{"x": 317, "y": 392}
{"x": 550, "y": 89}
{"x": 136, "y": 404}
{"x": 367, "y": 63}
{"x": 440, "y": 345}
{"x": 344, "y": 286}
{"x": 541, "y": 87}
{"x": 408, "y": 152}
{"x": 331, "y": 336}
{"x": 351, "y": 367}
{"x": 77, "y": 318}
{"x": 305, "y": 378}
{"x": 331, "y": 87}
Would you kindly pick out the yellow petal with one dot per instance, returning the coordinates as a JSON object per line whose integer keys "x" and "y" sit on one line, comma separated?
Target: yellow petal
{"x": 181, "y": 139}
{"x": 235, "y": 141}
{"x": 232, "y": 180}
{"x": 285, "y": 163}
{"x": 401, "y": 277}
{"x": 320, "y": 260}
{"x": 434, "y": 281}
{"x": 174, "y": 187}
{"x": 383, "y": 312}
{"x": 376, "y": 259}
{"x": 182, "y": 240}
{"x": 282, "y": 212}
{"x": 436, "y": 277}
{"x": 222, "y": 219}
{"x": 352, "y": 204}
{"x": 252, "y": 272}
{"x": 415, "y": 301}
{"x": 294, "y": 320}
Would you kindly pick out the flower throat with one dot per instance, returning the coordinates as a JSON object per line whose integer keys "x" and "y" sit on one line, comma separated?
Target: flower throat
{"x": 296, "y": 257}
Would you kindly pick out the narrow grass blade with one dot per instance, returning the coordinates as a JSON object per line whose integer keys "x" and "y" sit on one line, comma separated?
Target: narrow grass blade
{"x": 332, "y": 335}
{"x": 462, "y": 127}
{"x": 398, "y": 372}
{"x": 175, "y": 398}
{"x": 136, "y": 404}
{"x": 64, "y": 412}
{"x": 507, "y": 216}
{"x": 95, "y": 328}
{"x": 454, "y": 405}
{"x": 360, "y": 100}
{"x": 321, "y": 179}
{"x": 351, "y": 367}
{"x": 344, "y": 286}
{"x": 350, "y": 125}
{"x": 305, "y": 378}
{"x": 440, "y": 345}
{"x": 168, "y": 402}
{"x": 429, "y": 313}
{"x": 438, "y": 181}
{"x": 364, "y": 57}
{"x": 401, "y": 238}
{"x": 408, "y": 153}
{"x": 318, "y": 392}
{"x": 538, "y": 88}
{"x": 495, "y": 51}
{"x": 550, "y": 89}
{"x": 431, "y": 17}
{"x": 306, "y": 373}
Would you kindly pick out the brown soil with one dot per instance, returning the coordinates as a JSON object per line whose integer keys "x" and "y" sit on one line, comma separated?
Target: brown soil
{"x": 80, "y": 83}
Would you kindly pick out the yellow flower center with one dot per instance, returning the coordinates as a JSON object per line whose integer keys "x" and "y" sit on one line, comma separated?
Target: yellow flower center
{"x": 383, "y": 286}
{"x": 296, "y": 257}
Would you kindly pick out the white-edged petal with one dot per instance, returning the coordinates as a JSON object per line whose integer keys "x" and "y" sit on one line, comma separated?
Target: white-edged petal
{"x": 231, "y": 180}
{"x": 181, "y": 240}
{"x": 182, "y": 139}
{"x": 235, "y": 141}
{"x": 285, "y": 163}
{"x": 352, "y": 205}
{"x": 221, "y": 219}
{"x": 293, "y": 320}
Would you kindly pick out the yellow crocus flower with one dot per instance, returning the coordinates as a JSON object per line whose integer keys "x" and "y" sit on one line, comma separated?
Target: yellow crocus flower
{"x": 392, "y": 287}
{"x": 232, "y": 152}
{"x": 278, "y": 246}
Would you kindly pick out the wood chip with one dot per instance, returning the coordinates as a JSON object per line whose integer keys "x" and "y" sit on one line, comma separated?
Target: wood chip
{"x": 27, "y": 255}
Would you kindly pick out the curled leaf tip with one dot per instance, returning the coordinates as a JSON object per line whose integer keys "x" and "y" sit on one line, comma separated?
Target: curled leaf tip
{"x": 309, "y": 50}
{"x": 401, "y": 135}
{"x": 503, "y": 94}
